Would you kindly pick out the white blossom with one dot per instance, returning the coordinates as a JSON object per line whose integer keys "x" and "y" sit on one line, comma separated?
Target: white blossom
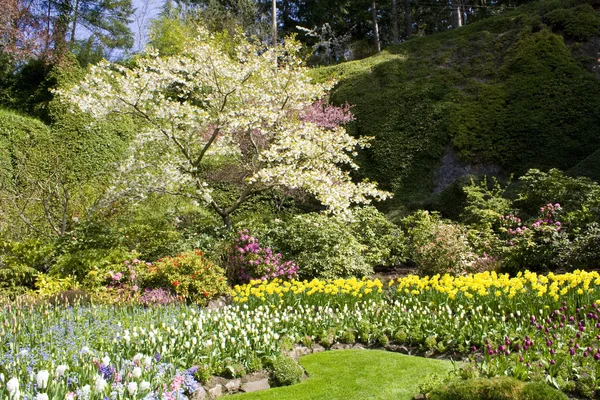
{"x": 132, "y": 388}
{"x": 60, "y": 370}
{"x": 42, "y": 379}
{"x": 137, "y": 372}
{"x": 207, "y": 115}
{"x": 12, "y": 386}
{"x": 99, "y": 384}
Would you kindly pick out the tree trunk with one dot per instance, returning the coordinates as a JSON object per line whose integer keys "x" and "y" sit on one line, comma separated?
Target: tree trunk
{"x": 408, "y": 18}
{"x": 457, "y": 14}
{"x": 395, "y": 21}
{"x": 375, "y": 25}
{"x": 274, "y": 4}
{"x": 75, "y": 14}
{"x": 227, "y": 222}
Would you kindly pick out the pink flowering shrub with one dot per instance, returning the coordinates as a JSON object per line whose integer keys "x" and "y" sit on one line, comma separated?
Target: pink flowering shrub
{"x": 249, "y": 260}
{"x": 438, "y": 246}
{"x": 327, "y": 116}
{"x": 122, "y": 282}
{"x": 533, "y": 244}
{"x": 548, "y": 223}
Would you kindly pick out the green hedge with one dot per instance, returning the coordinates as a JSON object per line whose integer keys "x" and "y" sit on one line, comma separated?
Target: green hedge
{"x": 507, "y": 90}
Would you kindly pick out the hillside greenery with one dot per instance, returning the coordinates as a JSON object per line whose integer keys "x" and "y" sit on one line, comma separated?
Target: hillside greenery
{"x": 518, "y": 91}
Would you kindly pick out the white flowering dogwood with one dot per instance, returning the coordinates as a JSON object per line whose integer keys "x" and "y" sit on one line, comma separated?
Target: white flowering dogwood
{"x": 225, "y": 112}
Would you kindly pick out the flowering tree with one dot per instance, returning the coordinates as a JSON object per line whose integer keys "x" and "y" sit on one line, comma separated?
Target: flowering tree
{"x": 225, "y": 112}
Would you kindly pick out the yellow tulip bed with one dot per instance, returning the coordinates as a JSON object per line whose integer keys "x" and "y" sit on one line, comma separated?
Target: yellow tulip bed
{"x": 531, "y": 326}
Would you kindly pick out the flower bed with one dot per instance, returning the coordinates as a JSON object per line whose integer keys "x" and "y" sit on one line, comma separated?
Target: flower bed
{"x": 530, "y": 326}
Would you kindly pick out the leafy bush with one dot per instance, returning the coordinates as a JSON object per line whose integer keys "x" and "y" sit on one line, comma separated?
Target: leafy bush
{"x": 190, "y": 275}
{"x": 332, "y": 246}
{"x": 286, "y": 371}
{"x": 322, "y": 246}
{"x": 551, "y": 223}
{"x": 581, "y": 22}
{"x": 48, "y": 285}
{"x": 20, "y": 262}
{"x": 583, "y": 252}
{"x": 385, "y": 242}
{"x": 438, "y": 247}
{"x": 579, "y": 197}
{"x": 534, "y": 245}
{"x": 500, "y": 388}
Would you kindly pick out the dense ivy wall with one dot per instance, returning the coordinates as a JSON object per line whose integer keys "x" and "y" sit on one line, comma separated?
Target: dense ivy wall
{"x": 512, "y": 90}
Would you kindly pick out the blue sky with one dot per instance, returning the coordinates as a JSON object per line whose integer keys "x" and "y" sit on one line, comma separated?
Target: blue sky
{"x": 146, "y": 10}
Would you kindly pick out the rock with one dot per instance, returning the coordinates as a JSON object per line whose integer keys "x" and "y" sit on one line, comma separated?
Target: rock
{"x": 317, "y": 348}
{"x": 199, "y": 394}
{"x": 403, "y": 350}
{"x": 219, "y": 302}
{"x": 215, "y": 392}
{"x": 255, "y": 386}
{"x": 233, "y": 385}
{"x": 341, "y": 346}
{"x": 299, "y": 351}
{"x": 453, "y": 168}
{"x": 255, "y": 376}
{"x": 358, "y": 346}
{"x": 420, "y": 396}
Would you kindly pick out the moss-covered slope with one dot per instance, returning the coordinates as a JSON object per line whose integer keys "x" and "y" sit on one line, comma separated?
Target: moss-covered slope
{"x": 518, "y": 90}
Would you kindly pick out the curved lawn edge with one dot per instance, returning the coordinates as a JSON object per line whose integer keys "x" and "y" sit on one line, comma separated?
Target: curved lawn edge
{"x": 356, "y": 374}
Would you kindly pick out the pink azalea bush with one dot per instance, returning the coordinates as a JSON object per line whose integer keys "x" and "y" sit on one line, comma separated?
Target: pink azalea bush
{"x": 249, "y": 260}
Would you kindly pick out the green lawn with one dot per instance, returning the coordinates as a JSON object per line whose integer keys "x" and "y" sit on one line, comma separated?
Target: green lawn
{"x": 357, "y": 374}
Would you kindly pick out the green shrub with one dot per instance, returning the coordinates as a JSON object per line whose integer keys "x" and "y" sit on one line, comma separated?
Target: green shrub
{"x": 80, "y": 263}
{"x": 382, "y": 339}
{"x": 580, "y": 23}
{"x": 578, "y": 197}
{"x": 533, "y": 245}
{"x": 551, "y": 223}
{"x": 20, "y": 262}
{"x": 438, "y": 247}
{"x": 254, "y": 364}
{"x": 286, "y": 371}
{"x": 234, "y": 371}
{"x": 400, "y": 336}
{"x": 541, "y": 391}
{"x": 48, "y": 285}
{"x": 499, "y": 388}
{"x": 583, "y": 252}
{"x": 430, "y": 342}
{"x": 348, "y": 337}
{"x": 321, "y": 246}
{"x": 385, "y": 242}
{"x": 190, "y": 275}
{"x": 331, "y": 246}
{"x": 203, "y": 373}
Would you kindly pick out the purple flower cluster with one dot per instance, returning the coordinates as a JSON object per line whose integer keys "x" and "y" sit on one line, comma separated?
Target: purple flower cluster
{"x": 565, "y": 337}
{"x": 256, "y": 262}
{"x": 157, "y": 297}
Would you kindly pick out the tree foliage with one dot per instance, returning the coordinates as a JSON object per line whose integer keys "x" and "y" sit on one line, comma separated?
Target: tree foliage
{"x": 223, "y": 113}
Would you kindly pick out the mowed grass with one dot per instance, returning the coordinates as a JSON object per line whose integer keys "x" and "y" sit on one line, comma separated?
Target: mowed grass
{"x": 357, "y": 374}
